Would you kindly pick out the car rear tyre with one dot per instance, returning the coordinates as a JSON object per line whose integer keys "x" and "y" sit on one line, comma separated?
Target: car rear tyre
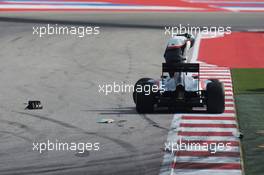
{"x": 139, "y": 82}
{"x": 144, "y": 102}
{"x": 215, "y": 97}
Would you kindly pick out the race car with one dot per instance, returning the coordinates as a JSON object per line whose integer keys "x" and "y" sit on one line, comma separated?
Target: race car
{"x": 181, "y": 87}
{"x": 179, "y": 92}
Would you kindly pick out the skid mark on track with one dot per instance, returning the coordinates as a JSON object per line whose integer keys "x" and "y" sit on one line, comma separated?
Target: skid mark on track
{"x": 152, "y": 122}
{"x": 127, "y": 146}
{"x": 54, "y": 168}
{"x": 17, "y": 124}
{"x": 17, "y": 135}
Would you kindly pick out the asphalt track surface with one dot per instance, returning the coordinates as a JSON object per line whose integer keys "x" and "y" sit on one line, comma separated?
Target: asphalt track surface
{"x": 64, "y": 73}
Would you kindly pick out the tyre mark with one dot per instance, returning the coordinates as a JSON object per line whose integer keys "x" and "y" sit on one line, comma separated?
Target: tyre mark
{"x": 152, "y": 122}
{"x": 17, "y": 124}
{"x": 120, "y": 160}
{"x": 121, "y": 143}
{"x": 16, "y": 135}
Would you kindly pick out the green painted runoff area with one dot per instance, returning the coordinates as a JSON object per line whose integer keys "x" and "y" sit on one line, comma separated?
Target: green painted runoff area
{"x": 249, "y": 97}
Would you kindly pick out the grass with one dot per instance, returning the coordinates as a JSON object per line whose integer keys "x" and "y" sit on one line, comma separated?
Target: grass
{"x": 248, "y": 81}
{"x": 249, "y": 96}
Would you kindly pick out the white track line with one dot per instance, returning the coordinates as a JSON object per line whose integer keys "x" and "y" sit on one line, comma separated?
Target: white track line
{"x": 208, "y": 159}
{"x": 212, "y": 70}
{"x": 215, "y": 77}
{"x": 196, "y": 48}
{"x": 209, "y": 121}
{"x": 215, "y": 73}
{"x": 104, "y": 7}
{"x": 238, "y": 9}
{"x": 203, "y": 129}
{"x": 209, "y": 138}
{"x": 205, "y": 172}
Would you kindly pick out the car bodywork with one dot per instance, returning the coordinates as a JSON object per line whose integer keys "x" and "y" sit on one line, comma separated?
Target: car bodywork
{"x": 182, "y": 91}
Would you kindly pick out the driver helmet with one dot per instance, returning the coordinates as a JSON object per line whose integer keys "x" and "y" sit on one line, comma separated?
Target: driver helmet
{"x": 177, "y": 42}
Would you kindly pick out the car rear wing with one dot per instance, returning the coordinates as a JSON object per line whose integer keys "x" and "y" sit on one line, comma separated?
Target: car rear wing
{"x": 180, "y": 67}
